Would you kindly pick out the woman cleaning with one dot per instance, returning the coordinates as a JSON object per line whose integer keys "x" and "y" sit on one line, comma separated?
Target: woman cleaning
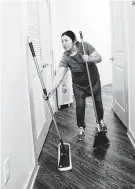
{"x": 74, "y": 59}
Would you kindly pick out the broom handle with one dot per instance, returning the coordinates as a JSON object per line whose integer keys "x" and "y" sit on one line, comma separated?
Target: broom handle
{"x": 43, "y": 87}
{"x": 94, "y": 105}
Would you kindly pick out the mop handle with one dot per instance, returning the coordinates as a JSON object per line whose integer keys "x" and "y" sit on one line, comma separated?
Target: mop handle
{"x": 81, "y": 37}
{"x": 43, "y": 85}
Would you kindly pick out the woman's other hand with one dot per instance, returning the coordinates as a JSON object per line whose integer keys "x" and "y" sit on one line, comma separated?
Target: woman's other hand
{"x": 49, "y": 94}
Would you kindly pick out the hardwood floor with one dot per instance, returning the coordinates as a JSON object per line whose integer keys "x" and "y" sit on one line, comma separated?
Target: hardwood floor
{"x": 110, "y": 167}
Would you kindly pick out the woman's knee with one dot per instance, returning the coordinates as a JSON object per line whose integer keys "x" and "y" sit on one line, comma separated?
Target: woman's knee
{"x": 80, "y": 102}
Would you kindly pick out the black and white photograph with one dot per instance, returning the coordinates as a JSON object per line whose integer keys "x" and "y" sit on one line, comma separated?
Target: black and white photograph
{"x": 67, "y": 90}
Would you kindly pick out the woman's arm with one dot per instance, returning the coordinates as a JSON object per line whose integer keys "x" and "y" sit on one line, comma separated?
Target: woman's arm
{"x": 93, "y": 57}
{"x": 91, "y": 54}
{"x": 57, "y": 80}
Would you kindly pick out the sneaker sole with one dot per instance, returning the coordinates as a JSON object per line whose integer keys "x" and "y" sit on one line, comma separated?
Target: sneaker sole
{"x": 79, "y": 140}
{"x": 103, "y": 131}
{"x": 81, "y": 137}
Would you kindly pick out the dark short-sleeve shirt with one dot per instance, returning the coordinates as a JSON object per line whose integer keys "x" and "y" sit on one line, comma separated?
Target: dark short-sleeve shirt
{"x": 79, "y": 72}
{"x": 65, "y": 57}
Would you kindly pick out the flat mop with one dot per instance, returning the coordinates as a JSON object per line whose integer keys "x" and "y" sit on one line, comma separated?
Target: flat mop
{"x": 64, "y": 153}
{"x": 100, "y": 136}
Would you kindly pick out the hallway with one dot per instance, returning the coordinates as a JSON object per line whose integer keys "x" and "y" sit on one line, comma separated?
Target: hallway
{"x": 110, "y": 167}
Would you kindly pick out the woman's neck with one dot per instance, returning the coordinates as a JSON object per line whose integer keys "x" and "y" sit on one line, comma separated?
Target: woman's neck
{"x": 73, "y": 50}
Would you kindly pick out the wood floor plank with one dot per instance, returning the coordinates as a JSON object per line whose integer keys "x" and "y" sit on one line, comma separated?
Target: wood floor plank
{"x": 108, "y": 167}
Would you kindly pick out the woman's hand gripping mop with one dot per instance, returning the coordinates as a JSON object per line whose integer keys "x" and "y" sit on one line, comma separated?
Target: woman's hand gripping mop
{"x": 64, "y": 153}
{"x": 100, "y": 136}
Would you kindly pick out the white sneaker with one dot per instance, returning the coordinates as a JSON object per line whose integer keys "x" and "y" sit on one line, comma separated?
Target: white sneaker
{"x": 103, "y": 126}
{"x": 81, "y": 133}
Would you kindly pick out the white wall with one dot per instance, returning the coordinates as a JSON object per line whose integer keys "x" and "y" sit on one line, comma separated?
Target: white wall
{"x": 90, "y": 17}
{"x": 17, "y": 140}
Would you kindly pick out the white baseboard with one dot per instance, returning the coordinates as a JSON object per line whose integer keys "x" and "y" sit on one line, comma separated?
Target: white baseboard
{"x": 131, "y": 137}
{"x": 32, "y": 178}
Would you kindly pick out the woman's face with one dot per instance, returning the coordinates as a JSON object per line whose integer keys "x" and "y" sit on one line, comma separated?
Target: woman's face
{"x": 67, "y": 43}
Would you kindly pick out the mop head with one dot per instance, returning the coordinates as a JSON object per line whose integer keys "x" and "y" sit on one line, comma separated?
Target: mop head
{"x": 64, "y": 157}
{"x": 100, "y": 139}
